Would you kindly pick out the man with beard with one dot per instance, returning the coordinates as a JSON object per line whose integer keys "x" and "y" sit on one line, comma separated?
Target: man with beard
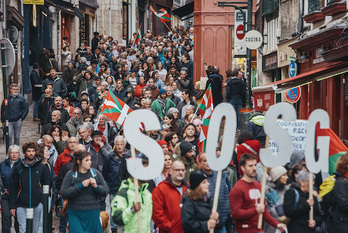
{"x": 55, "y": 120}
{"x": 58, "y": 83}
{"x": 245, "y": 197}
{"x": 58, "y": 105}
{"x": 166, "y": 199}
{"x": 74, "y": 122}
{"x": 17, "y": 111}
{"x": 28, "y": 178}
{"x": 187, "y": 158}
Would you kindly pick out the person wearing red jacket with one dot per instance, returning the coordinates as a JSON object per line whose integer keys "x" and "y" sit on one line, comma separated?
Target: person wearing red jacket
{"x": 138, "y": 90}
{"x": 166, "y": 199}
{"x": 247, "y": 145}
{"x": 245, "y": 200}
{"x": 66, "y": 156}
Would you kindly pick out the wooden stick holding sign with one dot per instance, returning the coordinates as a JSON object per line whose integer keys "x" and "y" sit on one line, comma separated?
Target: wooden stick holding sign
{"x": 263, "y": 188}
{"x": 281, "y": 137}
{"x": 146, "y": 145}
{"x": 219, "y": 163}
{"x": 136, "y": 187}
{"x": 313, "y": 165}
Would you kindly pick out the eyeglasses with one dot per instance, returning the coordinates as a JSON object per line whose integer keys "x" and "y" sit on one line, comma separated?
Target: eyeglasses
{"x": 179, "y": 170}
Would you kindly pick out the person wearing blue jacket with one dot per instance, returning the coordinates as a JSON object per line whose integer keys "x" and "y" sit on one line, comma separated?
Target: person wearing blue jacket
{"x": 28, "y": 178}
{"x": 17, "y": 111}
{"x": 223, "y": 202}
{"x": 6, "y": 168}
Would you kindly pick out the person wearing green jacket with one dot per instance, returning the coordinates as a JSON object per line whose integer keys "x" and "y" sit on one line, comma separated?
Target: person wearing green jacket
{"x": 162, "y": 104}
{"x": 125, "y": 208}
{"x": 187, "y": 157}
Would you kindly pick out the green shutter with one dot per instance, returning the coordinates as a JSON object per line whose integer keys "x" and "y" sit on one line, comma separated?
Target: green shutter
{"x": 269, "y": 6}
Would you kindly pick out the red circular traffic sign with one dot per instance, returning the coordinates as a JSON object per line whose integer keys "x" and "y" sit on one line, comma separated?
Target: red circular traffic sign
{"x": 240, "y": 32}
{"x": 293, "y": 95}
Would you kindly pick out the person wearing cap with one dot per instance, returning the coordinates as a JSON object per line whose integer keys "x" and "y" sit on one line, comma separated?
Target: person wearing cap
{"x": 187, "y": 154}
{"x": 245, "y": 198}
{"x": 99, "y": 149}
{"x": 36, "y": 83}
{"x": 166, "y": 198}
{"x": 95, "y": 41}
{"x": 275, "y": 190}
{"x": 196, "y": 210}
{"x": 162, "y": 104}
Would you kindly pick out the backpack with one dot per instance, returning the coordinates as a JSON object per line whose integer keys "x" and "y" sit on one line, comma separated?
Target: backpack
{"x": 92, "y": 170}
{"x": 326, "y": 193}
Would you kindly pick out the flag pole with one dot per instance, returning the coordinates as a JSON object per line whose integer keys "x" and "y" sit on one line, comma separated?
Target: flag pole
{"x": 136, "y": 191}
{"x": 137, "y": 35}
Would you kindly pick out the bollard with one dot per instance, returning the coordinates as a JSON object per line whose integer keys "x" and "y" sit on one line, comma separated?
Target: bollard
{"x": 29, "y": 225}
{"x": 46, "y": 209}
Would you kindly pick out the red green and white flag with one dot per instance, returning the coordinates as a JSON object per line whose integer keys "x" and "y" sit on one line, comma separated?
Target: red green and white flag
{"x": 162, "y": 14}
{"x": 138, "y": 38}
{"x": 115, "y": 109}
{"x": 336, "y": 148}
{"x": 205, "y": 109}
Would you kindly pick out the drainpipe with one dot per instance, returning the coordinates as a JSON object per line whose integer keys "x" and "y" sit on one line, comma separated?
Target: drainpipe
{"x": 300, "y": 17}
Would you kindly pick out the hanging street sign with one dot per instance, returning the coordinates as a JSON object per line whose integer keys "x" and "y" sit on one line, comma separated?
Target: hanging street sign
{"x": 292, "y": 69}
{"x": 293, "y": 95}
{"x": 253, "y": 39}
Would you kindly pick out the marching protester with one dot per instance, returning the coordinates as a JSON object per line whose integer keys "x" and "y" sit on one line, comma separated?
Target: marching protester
{"x": 82, "y": 187}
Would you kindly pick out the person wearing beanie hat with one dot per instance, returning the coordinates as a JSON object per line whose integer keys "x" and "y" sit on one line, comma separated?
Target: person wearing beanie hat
{"x": 187, "y": 157}
{"x": 196, "y": 210}
{"x": 164, "y": 145}
{"x": 162, "y": 104}
{"x": 277, "y": 173}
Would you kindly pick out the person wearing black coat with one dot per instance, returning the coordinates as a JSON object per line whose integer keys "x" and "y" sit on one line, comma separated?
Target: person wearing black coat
{"x": 36, "y": 84}
{"x": 235, "y": 91}
{"x": 196, "y": 210}
{"x": 297, "y": 206}
{"x": 215, "y": 80}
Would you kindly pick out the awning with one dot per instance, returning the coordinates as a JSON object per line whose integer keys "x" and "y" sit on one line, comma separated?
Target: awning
{"x": 304, "y": 78}
{"x": 184, "y": 12}
{"x": 66, "y": 6}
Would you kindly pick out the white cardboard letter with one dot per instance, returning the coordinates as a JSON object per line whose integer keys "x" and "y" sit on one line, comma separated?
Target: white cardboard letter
{"x": 322, "y": 164}
{"x": 220, "y": 163}
{"x": 144, "y": 144}
{"x": 279, "y": 135}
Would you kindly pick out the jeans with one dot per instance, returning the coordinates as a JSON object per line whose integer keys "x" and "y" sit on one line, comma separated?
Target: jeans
{"x": 237, "y": 104}
{"x": 112, "y": 224}
{"x": 36, "y": 109}
{"x": 222, "y": 230}
{"x": 22, "y": 219}
{"x": 6, "y": 216}
{"x": 14, "y": 128}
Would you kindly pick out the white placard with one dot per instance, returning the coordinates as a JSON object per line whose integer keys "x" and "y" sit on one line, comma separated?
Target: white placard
{"x": 297, "y": 130}
{"x": 144, "y": 144}
{"x": 222, "y": 110}
{"x": 253, "y": 39}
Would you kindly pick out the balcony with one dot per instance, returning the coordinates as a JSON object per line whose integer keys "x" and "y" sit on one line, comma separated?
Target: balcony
{"x": 314, "y": 12}
{"x": 334, "y": 7}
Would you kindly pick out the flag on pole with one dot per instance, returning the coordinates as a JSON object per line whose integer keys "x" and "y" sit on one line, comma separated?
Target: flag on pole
{"x": 138, "y": 38}
{"x": 162, "y": 14}
{"x": 115, "y": 109}
{"x": 336, "y": 148}
{"x": 205, "y": 109}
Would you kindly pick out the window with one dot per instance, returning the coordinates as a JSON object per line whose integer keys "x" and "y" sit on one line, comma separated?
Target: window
{"x": 269, "y": 6}
{"x": 313, "y": 5}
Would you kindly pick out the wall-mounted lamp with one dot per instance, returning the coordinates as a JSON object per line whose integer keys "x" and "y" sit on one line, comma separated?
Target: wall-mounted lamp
{"x": 303, "y": 57}
{"x": 322, "y": 49}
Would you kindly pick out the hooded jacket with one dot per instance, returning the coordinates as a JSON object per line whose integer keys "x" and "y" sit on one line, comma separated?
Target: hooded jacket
{"x": 72, "y": 125}
{"x": 166, "y": 206}
{"x": 6, "y": 174}
{"x": 26, "y": 184}
{"x": 255, "y": 127}
{"x": 99, "y": 156}
{"x": 58, "y": 85}
{"x": 190, "y": 166}
{"x": 122, "y": 211}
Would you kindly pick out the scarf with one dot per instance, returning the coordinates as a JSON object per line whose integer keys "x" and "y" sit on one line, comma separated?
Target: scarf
{"x": 163, "y": 104}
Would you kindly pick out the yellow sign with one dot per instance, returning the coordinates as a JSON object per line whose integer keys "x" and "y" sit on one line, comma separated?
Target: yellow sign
{"x": 34, "y": 2}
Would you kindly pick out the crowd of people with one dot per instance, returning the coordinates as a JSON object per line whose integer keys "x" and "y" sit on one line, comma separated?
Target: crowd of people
{"x": 82, "y": 154}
